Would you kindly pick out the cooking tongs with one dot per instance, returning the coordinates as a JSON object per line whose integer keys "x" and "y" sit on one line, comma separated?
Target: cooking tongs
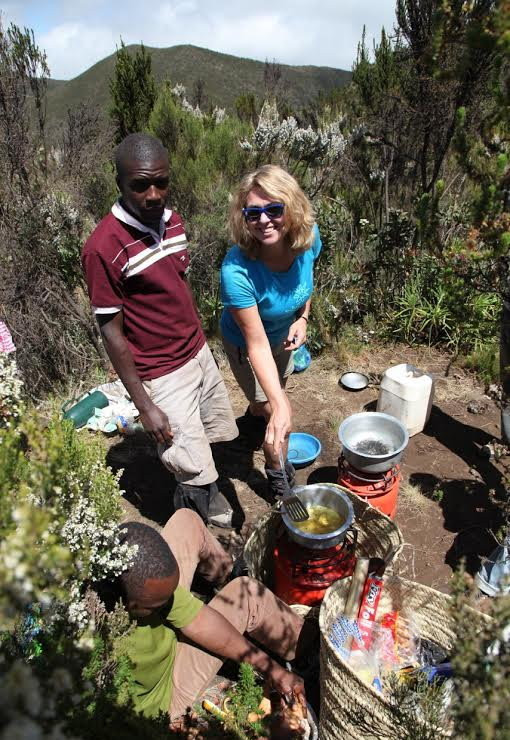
{"x": 289, "y": 504}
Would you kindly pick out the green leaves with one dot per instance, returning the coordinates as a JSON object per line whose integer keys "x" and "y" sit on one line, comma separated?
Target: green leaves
{"x": 133, "y": 91}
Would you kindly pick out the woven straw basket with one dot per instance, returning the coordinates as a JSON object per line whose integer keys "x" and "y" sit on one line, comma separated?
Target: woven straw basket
{"x": 344, "y": 696}
{"x": 378, "y": 537}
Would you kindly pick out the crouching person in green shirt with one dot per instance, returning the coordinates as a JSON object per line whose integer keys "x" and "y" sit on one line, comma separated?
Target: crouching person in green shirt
{"x": 179, "y": 643}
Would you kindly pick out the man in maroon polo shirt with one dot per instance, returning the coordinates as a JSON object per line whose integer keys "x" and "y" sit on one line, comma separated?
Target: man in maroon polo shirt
{"x": 135, "y": 263}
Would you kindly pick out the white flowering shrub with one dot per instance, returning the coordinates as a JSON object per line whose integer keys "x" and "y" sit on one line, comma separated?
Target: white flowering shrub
{"x": 179, "y": 93}
{"x": 62, "y": 671}
{"x": 11, "y": 391}
{"x": 219, "y": 115}
{"x": 316, "y": 147}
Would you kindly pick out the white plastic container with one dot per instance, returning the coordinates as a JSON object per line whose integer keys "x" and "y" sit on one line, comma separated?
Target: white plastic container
{"x": 407, "y": 394}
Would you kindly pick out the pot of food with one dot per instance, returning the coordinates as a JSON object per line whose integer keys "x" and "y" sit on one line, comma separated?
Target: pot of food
{"x": 373, "y": 442}
{"x": 330, "y": 516}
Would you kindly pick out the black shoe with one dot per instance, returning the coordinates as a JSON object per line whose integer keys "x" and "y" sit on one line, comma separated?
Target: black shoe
{"x": 277, "y": 488}
{"x": 195, "y": 498}
{"x": 220, "y": 511}
{"x": 211, "y": 505}
{"x": 291, "y": 473}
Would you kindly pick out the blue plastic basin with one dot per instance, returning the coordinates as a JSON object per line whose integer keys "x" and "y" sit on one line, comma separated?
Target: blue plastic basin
{"x": 303, "y": 449}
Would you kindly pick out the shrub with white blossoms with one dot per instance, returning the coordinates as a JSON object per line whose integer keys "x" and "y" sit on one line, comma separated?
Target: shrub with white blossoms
{"x": 320, "y": 147}
{"x": 60, "y": 507}
{"x": 219, "y": 115}
{"x": 11, "y": 389}
{"x": 179, "y": 91}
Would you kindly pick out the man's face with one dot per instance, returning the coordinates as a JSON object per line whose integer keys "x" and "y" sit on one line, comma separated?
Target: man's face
{"x": 144, "y": 188}
{"x": 154, "y": 596}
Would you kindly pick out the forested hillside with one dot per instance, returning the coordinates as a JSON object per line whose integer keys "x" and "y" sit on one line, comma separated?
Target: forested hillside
{"x": 220, "y": 78}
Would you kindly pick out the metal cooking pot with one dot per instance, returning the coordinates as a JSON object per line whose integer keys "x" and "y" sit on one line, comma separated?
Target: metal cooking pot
{"x": 373, "y": 442}
{"x": 321, "y": 494}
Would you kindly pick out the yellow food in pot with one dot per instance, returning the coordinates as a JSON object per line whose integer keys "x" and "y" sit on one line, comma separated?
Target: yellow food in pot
{"x": 322, "y": 520}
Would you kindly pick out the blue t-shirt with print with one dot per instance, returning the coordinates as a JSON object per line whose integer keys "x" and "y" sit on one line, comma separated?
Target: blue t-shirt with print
{"x": 278, "y": 295}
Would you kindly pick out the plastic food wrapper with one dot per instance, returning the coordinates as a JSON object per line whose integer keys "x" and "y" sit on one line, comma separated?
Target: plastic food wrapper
{"x": 396, "y": 642}
{"x": 393, "y": 644}
{"x": 120, "y": 407}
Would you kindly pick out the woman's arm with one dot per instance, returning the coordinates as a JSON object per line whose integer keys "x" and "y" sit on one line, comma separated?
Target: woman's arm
{"x": 264, "y": 367}
{"x": 297, "y": 330}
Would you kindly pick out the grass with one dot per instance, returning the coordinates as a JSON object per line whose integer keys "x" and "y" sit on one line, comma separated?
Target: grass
{"x": 484, "y": 360}
{"x": 413, "y": 498}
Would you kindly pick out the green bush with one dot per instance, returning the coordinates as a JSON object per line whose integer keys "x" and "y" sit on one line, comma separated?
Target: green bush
{"x": 59, "y": 507}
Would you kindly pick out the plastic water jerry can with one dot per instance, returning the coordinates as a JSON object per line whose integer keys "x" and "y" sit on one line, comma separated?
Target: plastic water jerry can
{"x": 407, "y": 394}
{"x": 81, "y": 412}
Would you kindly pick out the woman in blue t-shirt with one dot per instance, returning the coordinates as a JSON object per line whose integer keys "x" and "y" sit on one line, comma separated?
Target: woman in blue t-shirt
{"x": 266, "y": 288}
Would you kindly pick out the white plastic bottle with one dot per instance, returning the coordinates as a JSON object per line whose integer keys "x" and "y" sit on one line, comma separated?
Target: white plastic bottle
{"x": 407, "y": 394}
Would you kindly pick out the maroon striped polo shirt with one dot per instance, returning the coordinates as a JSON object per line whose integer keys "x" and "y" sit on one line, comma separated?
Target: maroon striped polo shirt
{"x": 131, "y": 268}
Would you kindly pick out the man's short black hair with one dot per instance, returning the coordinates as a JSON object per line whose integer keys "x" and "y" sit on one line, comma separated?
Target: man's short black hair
{"x": 153, "y": 559}
{"x": 138, "y": 148}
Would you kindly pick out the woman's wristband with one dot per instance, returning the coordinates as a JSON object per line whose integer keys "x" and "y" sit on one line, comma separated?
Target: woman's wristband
{"x": 302, "y": 317}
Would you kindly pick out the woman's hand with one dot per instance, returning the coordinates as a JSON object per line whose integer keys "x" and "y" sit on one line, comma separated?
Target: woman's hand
{"x": 297, "y": 334}
{"x": 280, "y": 423}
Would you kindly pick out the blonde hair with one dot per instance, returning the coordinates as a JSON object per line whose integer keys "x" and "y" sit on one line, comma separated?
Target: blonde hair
{"x": 281, "y": 187}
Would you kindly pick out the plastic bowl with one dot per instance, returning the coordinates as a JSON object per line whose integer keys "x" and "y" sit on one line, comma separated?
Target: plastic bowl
{"x": 303, "y": 449}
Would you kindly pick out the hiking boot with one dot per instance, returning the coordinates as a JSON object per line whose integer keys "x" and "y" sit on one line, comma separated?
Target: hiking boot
{"x": 291, "y": 473}
{"x": 276, "y": 485}
{"x": 211, "y": 505}
{"x": 220, "y": 511}
{"x": 195, "y": 498}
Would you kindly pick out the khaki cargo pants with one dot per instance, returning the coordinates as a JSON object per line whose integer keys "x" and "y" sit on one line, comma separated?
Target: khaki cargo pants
{"x": 246, "y": 603}
{"x": 195, "y": 399}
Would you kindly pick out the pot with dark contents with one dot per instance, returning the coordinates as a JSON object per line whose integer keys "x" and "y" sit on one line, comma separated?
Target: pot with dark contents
{"x": 373, "y": 442}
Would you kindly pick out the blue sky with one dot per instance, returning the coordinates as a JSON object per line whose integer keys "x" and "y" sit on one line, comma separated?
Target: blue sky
{"x": 79, "y": 33}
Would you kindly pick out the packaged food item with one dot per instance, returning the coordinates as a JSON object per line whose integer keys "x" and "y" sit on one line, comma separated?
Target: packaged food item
{"x": 370, "y": 600}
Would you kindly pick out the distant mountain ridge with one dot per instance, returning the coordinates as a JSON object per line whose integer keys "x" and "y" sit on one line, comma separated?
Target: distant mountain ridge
{"x": 225, "y": 78}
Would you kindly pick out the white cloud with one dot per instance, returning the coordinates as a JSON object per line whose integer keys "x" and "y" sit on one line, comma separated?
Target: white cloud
{"x": 74, "y": 47}
{"x": 294, "y": 32}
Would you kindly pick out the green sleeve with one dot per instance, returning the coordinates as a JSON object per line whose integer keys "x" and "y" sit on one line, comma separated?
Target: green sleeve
{"x": 184, "y": 609}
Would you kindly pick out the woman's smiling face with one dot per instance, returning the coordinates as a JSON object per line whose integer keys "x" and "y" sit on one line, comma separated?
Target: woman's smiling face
{"x": 268, "y": 231}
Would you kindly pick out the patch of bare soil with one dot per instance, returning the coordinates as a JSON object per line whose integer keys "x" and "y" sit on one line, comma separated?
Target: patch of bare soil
{"x": 445, "y": 509}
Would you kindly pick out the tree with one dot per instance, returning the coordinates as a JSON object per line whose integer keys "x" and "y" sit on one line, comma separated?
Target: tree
{"x": 246, "y": 108}
{"x": 272, "y": 79}
{"x": 199, "y": 97}
{"x": 133, "y": 91}
{"x": 23, "y": 79}
{"x": 411, "y": 93}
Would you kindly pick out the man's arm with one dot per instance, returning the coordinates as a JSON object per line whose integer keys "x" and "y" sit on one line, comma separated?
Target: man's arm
{"x": 154, "y": 420}
{"x": 211, "y": 631}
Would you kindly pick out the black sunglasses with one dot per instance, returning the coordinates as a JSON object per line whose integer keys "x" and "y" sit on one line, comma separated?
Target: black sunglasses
{"x": 140, "y": 186}
{"x": 273, "y": 210}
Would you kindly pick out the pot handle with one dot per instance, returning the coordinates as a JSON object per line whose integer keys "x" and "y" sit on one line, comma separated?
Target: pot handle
{"x": 354, "y": 532}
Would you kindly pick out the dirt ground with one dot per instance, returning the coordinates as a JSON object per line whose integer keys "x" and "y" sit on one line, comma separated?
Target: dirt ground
{"x": 445, "y": 510}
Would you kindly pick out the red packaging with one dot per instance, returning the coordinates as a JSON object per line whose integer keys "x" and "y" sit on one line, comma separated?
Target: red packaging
{"x": 368, "y": 608}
